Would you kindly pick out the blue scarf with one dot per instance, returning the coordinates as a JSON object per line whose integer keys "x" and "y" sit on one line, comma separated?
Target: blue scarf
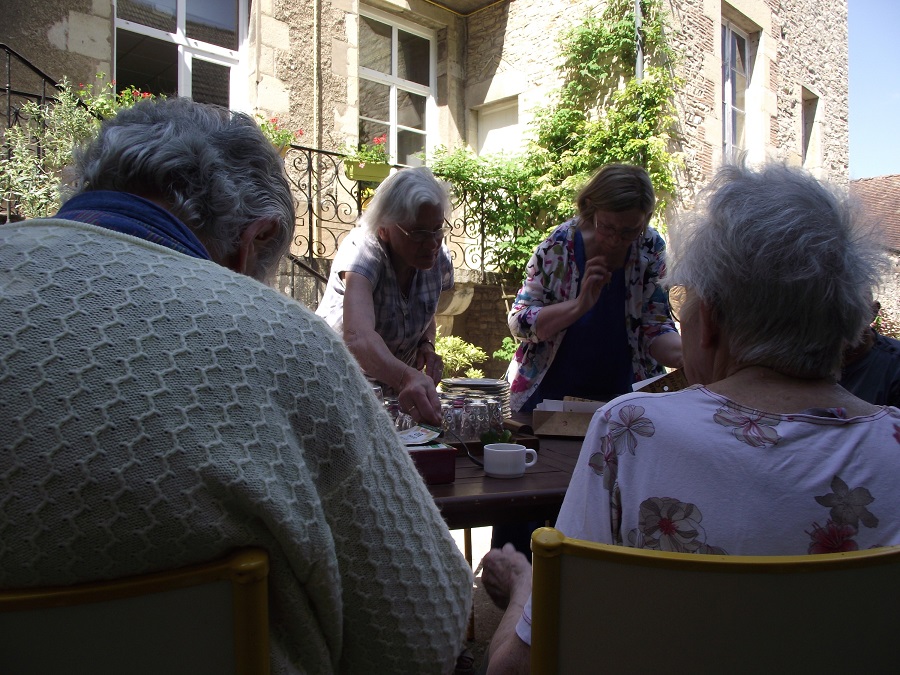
{"x": 130, "y": 214}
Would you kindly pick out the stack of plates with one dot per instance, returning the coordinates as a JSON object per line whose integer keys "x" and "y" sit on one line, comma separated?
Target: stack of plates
{"x": 478, "y": 388}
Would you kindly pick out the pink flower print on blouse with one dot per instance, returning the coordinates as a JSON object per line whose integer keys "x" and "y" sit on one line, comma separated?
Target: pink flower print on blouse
{"x": 754, "y": 428}
{"x": 848, "y": 507}
{"x": 833, "y": 538}
{"x": 666, "y": 524}
{"x": 606, "y": 462}
{"x": 633, "y": 423}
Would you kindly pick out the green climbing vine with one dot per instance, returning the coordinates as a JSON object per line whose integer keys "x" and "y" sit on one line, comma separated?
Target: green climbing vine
{"x": 602, "y": 113}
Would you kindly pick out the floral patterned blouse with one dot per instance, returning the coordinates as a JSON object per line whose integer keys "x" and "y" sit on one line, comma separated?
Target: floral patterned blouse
{"x": 552, "y": 276}
{"x": 695, "y": 472}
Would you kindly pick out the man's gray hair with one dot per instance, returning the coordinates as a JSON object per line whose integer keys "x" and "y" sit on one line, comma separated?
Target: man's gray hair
{"x": 211, "y": 167}
{"x": 399, "y": 198}
{"x": 786, "y": 264}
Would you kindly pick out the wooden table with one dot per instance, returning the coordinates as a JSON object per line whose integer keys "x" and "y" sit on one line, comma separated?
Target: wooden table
{"x": 476, "y": 500}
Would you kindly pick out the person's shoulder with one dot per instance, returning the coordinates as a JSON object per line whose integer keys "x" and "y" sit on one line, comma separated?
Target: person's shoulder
{"x": 888, "y": 344}
{"x": 653, "y": 401}
{"x": 653, "y": 241}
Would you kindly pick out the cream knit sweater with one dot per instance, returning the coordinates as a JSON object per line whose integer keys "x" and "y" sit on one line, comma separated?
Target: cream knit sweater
{"x": 157, "y": 410}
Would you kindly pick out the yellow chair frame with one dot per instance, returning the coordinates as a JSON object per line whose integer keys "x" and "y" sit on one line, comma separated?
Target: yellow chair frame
{"x": 601, "y": 608}
{"x": 162, "y": 605}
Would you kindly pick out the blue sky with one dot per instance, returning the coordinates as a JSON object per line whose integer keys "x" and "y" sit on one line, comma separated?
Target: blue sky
{"x": 874, "y": 88}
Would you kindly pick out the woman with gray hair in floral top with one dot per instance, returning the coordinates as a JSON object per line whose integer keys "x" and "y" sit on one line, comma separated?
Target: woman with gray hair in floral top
{"x": 765, "y": 454}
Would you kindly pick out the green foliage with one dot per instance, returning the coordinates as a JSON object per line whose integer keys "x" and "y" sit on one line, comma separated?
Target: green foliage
{"x": 885, "y": 324}
{"x": 278, "y": 136}
{"x": 601, "y": 114}
{"x": 374, "y": 152}
{"x": 493, "y": 189}
{"x": 38, "y": 150}
{"x": 459, "y": 356}
{"x": 507, "y": 349}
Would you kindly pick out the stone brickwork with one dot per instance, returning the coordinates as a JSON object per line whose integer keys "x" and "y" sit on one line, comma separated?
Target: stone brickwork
{"x": 64, "y": 38}
{"x": 302, "y": 64}
{"x": 812, "y": 52}
{"x": 484, "y": 325}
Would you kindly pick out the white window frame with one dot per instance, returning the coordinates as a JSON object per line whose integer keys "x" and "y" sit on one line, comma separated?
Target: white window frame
{"x": 190, "y": 48}
{"x": 729, "y": 109}
{"x": 394, "y": 83}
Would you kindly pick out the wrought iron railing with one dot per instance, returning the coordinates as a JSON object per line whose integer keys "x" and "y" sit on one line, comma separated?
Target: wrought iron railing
{"x": 328, "y": 206}
{"x": 328, "y": 202}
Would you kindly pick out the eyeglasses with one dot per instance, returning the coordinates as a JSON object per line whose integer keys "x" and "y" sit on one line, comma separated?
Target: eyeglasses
{"x": 622, "y": 235}
{"x": 422, "y": 236}
{"x": 677, "y": 297}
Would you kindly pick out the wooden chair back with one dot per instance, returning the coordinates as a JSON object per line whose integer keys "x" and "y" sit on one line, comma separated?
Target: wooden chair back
{"x": 612, "y": 609}
{"x": 207, "y": 618}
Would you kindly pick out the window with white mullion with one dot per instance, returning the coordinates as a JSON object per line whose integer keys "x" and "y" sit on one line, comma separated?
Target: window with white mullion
{"x": 396, "y": 84}
{"x": 735, "y": 75}
{"x": 182, "y": 47}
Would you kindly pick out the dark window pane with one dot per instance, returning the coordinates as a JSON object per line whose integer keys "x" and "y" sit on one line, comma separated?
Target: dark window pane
{"x": 374, "y": 100}
{"x": 409, "y": 146}
{"x": 146, "y": 63}
{"x": 410, "y": 110}
{"x": 213, "y": 21}
{"x": 154, "y": 13}
{"x": 369, "y": 130}
{"x": 413, "y": 57}
{"x": 210, "y": 82}
{"x": 374, "y": 45}
{"x": 740, "y": 54}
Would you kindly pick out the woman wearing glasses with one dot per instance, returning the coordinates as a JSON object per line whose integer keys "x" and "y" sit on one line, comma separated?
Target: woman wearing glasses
{"x": 591, "y": 315}
{"x": 385, "y": 282}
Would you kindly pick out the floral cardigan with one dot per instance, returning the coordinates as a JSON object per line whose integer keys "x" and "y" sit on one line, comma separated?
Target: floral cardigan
{"x": 552, "y": 276}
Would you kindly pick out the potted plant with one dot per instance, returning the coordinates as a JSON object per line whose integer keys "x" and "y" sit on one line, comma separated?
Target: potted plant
{"x": 369, "y": 162}
{"x": 280, "y": 137}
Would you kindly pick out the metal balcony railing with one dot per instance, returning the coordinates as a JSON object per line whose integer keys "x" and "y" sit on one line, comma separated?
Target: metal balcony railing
{"x": 328, "y": 202}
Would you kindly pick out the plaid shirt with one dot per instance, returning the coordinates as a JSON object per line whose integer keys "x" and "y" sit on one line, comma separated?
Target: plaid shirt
{"x": 401, "y": 322}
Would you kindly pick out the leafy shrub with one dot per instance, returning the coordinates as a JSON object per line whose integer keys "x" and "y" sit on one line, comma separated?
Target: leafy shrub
{"x": 602, "y": 113}
{"x": 459, "y": 356}
{"x": 40, "y": 147}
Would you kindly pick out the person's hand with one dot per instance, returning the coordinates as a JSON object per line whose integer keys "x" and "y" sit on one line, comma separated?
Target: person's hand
{"x": 432, "y": 362}
{"x": 418, "y": 397}
{"x": 506, "y": 573}
{"x": 596, "y": 276}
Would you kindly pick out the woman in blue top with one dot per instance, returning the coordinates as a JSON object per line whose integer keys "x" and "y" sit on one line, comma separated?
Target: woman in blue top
{"x": 591, "y": 315}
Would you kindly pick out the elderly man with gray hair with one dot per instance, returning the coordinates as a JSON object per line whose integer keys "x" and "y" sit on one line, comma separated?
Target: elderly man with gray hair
{"x": 160, "y": 406}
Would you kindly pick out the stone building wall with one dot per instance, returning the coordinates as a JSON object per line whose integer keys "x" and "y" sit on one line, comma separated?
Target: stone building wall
{"x": 889, "y": 293}
{"x": 813, "y": 53}
{"x": 63, "y": 38}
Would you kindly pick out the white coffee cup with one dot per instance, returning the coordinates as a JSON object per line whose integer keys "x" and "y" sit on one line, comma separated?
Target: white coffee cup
{"x": 507, "y": 460}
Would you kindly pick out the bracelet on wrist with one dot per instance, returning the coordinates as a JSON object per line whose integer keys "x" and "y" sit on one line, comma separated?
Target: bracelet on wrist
{"x": 426, "y": 341}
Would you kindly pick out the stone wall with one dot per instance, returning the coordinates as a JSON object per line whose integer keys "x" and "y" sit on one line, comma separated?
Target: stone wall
{"x": 63, "y": 38}
{"x": 484, "y": 324}
{"x": 889, "y": 294}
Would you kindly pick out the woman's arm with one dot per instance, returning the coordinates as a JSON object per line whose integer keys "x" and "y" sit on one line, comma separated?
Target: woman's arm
{"x": 554, "y": 318}
{"x": 542, "y": 307}
{"x": 415, "y": 390}
{"x": 666, "y": 350}
{"x": 426, "y": 356}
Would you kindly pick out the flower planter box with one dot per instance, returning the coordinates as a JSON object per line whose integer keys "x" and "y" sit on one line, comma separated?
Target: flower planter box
{"x": 368, "y": 172}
